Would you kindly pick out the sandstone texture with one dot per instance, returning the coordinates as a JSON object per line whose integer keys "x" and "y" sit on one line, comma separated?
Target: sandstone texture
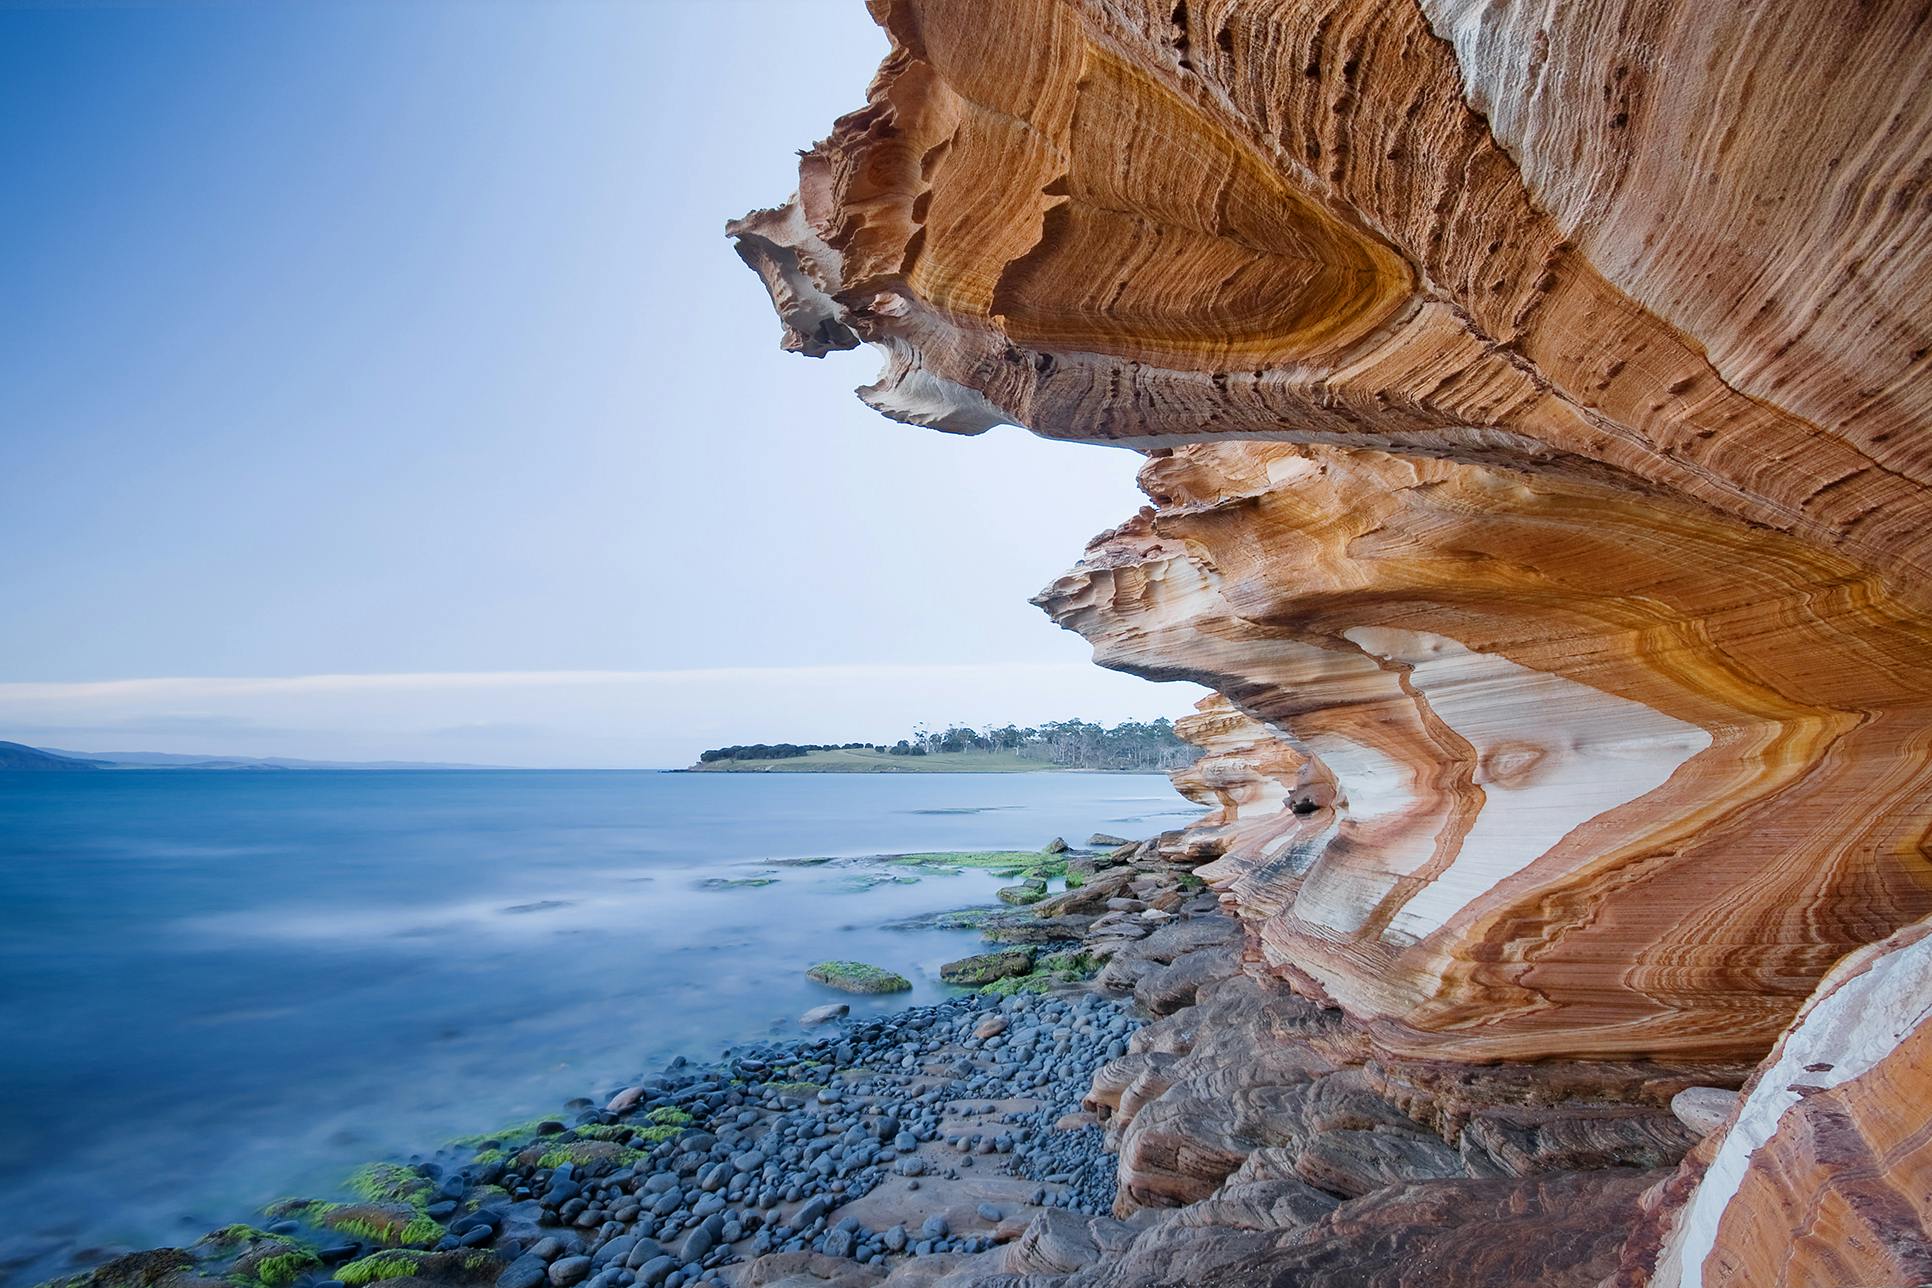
{"x": 1820, "y": 1173}
{"x": 1534, "y": 400}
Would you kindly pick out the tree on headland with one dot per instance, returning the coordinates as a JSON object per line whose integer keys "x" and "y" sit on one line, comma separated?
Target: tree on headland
{"x": 1069, "y": 744}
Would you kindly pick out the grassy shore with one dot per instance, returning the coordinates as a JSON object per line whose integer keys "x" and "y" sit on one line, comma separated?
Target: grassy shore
{"x": 879, "y": 762}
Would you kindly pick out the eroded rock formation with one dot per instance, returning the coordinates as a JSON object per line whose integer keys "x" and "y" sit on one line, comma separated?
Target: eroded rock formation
{"x": 1819, "y": 1175}
{"x": 1535, "y": 401}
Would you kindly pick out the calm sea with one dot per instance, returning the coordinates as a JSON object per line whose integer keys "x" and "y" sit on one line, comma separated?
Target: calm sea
{"x": 217, "y": 989}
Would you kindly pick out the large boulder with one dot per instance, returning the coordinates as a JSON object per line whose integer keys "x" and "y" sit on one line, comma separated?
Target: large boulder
{"x": 858, "y": 977}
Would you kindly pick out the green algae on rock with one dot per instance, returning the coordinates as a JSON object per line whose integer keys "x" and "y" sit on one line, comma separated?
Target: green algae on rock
{"x": 1011, "y": 863}
{"x": 1077, "y": 963}
{"x": 858, "y": 977}
{"x": 441, "y": 1266}
{"x": 953, "y": 919}
{"x": 370, "y": 1270}
{"x": 1049, "y": 971}
{"x": 390, "y": 1227}
{"x": 389, "y": 1183}
{"x": 1037, "y": 982}
{"x": 984, "y": 968}
{"x": 153, "y": 1268}
{"x": 277, "y": 1264}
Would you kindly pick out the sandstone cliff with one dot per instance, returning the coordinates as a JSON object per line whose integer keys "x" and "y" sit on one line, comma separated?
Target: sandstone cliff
{"x": 1535, "y": 403}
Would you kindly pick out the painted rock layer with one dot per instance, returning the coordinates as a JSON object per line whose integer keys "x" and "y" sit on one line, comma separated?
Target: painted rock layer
{"x": 1535, "y": 400}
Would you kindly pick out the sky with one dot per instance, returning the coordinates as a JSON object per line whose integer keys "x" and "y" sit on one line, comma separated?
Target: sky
{"x": 376, "y": 382}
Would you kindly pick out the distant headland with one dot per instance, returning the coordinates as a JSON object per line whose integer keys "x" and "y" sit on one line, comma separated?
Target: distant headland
{"x": 18, "y": 756}
{"x": 1063, "y": 745}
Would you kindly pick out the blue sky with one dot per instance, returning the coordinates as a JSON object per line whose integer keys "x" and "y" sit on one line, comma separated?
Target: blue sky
{"x": 400, "y": 342}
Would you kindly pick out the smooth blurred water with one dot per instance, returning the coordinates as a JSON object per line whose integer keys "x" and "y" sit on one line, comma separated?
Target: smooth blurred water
{"x": 217, "y": 989}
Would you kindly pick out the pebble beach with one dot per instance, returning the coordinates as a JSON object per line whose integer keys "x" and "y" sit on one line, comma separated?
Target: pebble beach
{"x": 936, "y": 1131}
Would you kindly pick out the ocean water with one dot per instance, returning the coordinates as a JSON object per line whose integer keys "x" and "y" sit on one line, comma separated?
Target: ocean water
{"x": 218, "y": 989}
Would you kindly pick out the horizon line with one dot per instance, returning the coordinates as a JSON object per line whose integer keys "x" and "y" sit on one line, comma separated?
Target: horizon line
{"x": 320, "y": 681}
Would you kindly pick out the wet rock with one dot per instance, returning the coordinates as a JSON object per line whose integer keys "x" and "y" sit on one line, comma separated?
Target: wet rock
{"x": 984, "y": 968}
{"x": 615, "y": 1252}
{"x": 858, "y": 977}
{"x": 697, "y": 1243}
{"x": 654, "y": 1271}
{"x": 527, "y": 1271}
{"x": 1092, "y": 897}
{"x": 625, "y": 1101}
{"x": 568, "y": 1270}
{"x": 825, "y": 1014}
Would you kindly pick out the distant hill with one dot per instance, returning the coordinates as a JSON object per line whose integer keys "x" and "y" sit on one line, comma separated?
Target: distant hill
{"x": 15, "y": 756}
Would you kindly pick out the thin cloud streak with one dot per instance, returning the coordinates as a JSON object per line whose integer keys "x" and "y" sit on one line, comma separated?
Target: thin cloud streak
{"x": 188, "y": 687}
{"x": 619, "y": 719}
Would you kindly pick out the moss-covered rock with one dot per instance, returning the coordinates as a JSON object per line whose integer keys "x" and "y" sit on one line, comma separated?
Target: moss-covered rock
{"x": 858, "y": 977}
{"x": 997, "y": 860}
{"x": 381, "y": 1224}
{"x": 230, "y": 1237}
{"x": 369, "y": 1270}
{"x": 1074, "y": 963}
{"x": 513, "y": 1131}
{"x": 656, "y": 1135}
{"x": 593, "y": 1156}
{"x": 1021, "y": 895}
{"x": 390, "y": 1183}
{"x": 951, "y": 919}
{"x": 984, "y": 968}
{"x": 1038, "y": 982}
{"x": 620, "y": 1133}
{"x": 466, "y": 1267}
{"x": 472, "y": 1267}
{"x": 255, "y": 1258}
{"x": 859, "y": 882}
{"x": 154, "y": 1268}
{"x": 1050, "y": 971}
{"x": 276, "y": 1262}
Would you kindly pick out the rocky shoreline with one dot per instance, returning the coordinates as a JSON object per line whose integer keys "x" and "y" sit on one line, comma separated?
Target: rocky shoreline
{"x": 932, "y": 1133}
{"x": 1129, "y": 1100}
